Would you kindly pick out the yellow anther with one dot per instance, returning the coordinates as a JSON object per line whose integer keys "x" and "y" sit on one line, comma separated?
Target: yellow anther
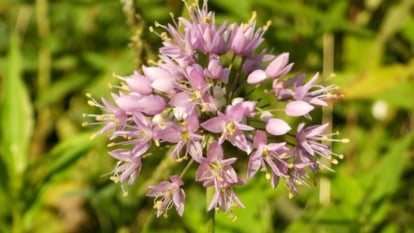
{"x": 291, "y": 165}
{"x": 291, "y": 195}
{"x": 345, "y": 140}
{"x": 157, "y": 205}
{"x": 93, "y": 136}
{"x": 341, "y": 156}
{"x": 89, "y": 95}
{"x": 99, "y": 118}
{"x": 231, "y": 128}
{"x": 253, "y": 18}
{"x": 111, "y": 144}
{"x": 283, "y": 155}
{"x": 268, "y": 176}
{"x": 267, "y": 25}
{"x": 207, "y": 20}
{"x": 185, "y": 135}
{"x": 91, "y": 103}
{"x": 334, "y": 161}
{"x": 232, "y": 217}
{"x": 124, "y": 193}
{"x": 84, "y": 124}
{"x": 115, "y": 179}
{"x": 151, "y": 29}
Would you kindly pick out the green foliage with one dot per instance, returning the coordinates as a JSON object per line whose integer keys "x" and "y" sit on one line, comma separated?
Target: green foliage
{"x": 52, "y": 176}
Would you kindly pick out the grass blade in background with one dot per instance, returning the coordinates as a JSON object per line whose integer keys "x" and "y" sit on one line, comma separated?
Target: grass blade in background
{"x": 16, "y": 122}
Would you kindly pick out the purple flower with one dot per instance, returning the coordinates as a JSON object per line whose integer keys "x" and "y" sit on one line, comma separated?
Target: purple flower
{"x": 161, "y": 79}
{"x": 138, "y": 83}
{"x": 296, "y": 89}
{"x": 274, "y": 155}
{"x": 128, "y": 166}
{"x": 277, "y": 68}
{"x": 215, "y": 70}
{"x": 309, "y": 139}
{"x": 139, "y": 135}
{"x": 202, "y": 30}
{"x": 216, "y": 171}
{"x": 195, "y": 98}
{"x": 230, "y": 126}
{"x": 184, "y": 136}
{"x": 277, "y": 127}
{"x": 225, "y": 199}
{"x": 298, "y": 108}
{"x": 309, "y": 145}
{"x": 113, "y": 118}
{"x": 244, "y": 39}
{"x": 148, "y": 104}
{"x": 167, "y": 194}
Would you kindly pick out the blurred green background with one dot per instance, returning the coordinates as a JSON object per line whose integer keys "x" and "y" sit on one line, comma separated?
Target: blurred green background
{"x": 53, "y": 177}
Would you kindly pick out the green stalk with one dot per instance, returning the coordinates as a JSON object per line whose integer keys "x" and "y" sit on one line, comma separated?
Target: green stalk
{"x": 328, "y": 68}
{"x": 210, "y": 223}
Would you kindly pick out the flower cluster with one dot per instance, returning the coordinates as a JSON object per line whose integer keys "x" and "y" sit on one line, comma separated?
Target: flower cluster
{"x": 214, "y": 89}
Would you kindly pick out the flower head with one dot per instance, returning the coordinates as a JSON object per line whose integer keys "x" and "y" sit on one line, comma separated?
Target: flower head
{"x": 167, "y": 194}
{"x": 206, "y": 103}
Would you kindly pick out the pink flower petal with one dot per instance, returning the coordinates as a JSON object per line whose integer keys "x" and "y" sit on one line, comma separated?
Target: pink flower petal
{"x": 260, "y": 138}
{"x": 214, "y": 125}
{"x": 277, "y": 127}
{"x": 140, "y": 84}
{"x": 278, "y": 66}
{"x": 163, "y": 84}
{"x": 256, "y": 77}
{"x": 298, "y": 108}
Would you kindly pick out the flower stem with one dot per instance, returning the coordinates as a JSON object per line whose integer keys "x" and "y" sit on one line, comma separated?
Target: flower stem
{"x": 210, "y": 223}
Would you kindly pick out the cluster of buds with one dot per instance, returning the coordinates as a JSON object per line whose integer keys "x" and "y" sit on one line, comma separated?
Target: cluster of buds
{"x": 210, "y": 91}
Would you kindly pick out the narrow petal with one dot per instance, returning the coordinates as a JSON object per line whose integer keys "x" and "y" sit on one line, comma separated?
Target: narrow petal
{"x": 171, "y": 134}
{"x": 215, "y": 125}
{"x": 214, "y": 200}
{"x": 277, "y": 65}
{"x": 255, "y": 163}
{"x": 260, "y": 138}
{"x": 178, "y": 199}
{"x": 214, "y": 152}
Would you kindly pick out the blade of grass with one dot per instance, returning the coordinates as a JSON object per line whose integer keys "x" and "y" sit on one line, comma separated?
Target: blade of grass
{"x": 16, "y": 124}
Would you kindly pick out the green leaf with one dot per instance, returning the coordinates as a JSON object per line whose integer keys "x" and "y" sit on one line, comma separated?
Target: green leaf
{"x": 63, "y": 156}
{"x": 242, "y": 10}
{"x": 61, "y": 88}
{"x": 387, "y": 174}
{"x": 67, "y": 152}
{"x": 376, "y": 80}
{"x": 16, "y": 116}
{"x": 394, "y": 20}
